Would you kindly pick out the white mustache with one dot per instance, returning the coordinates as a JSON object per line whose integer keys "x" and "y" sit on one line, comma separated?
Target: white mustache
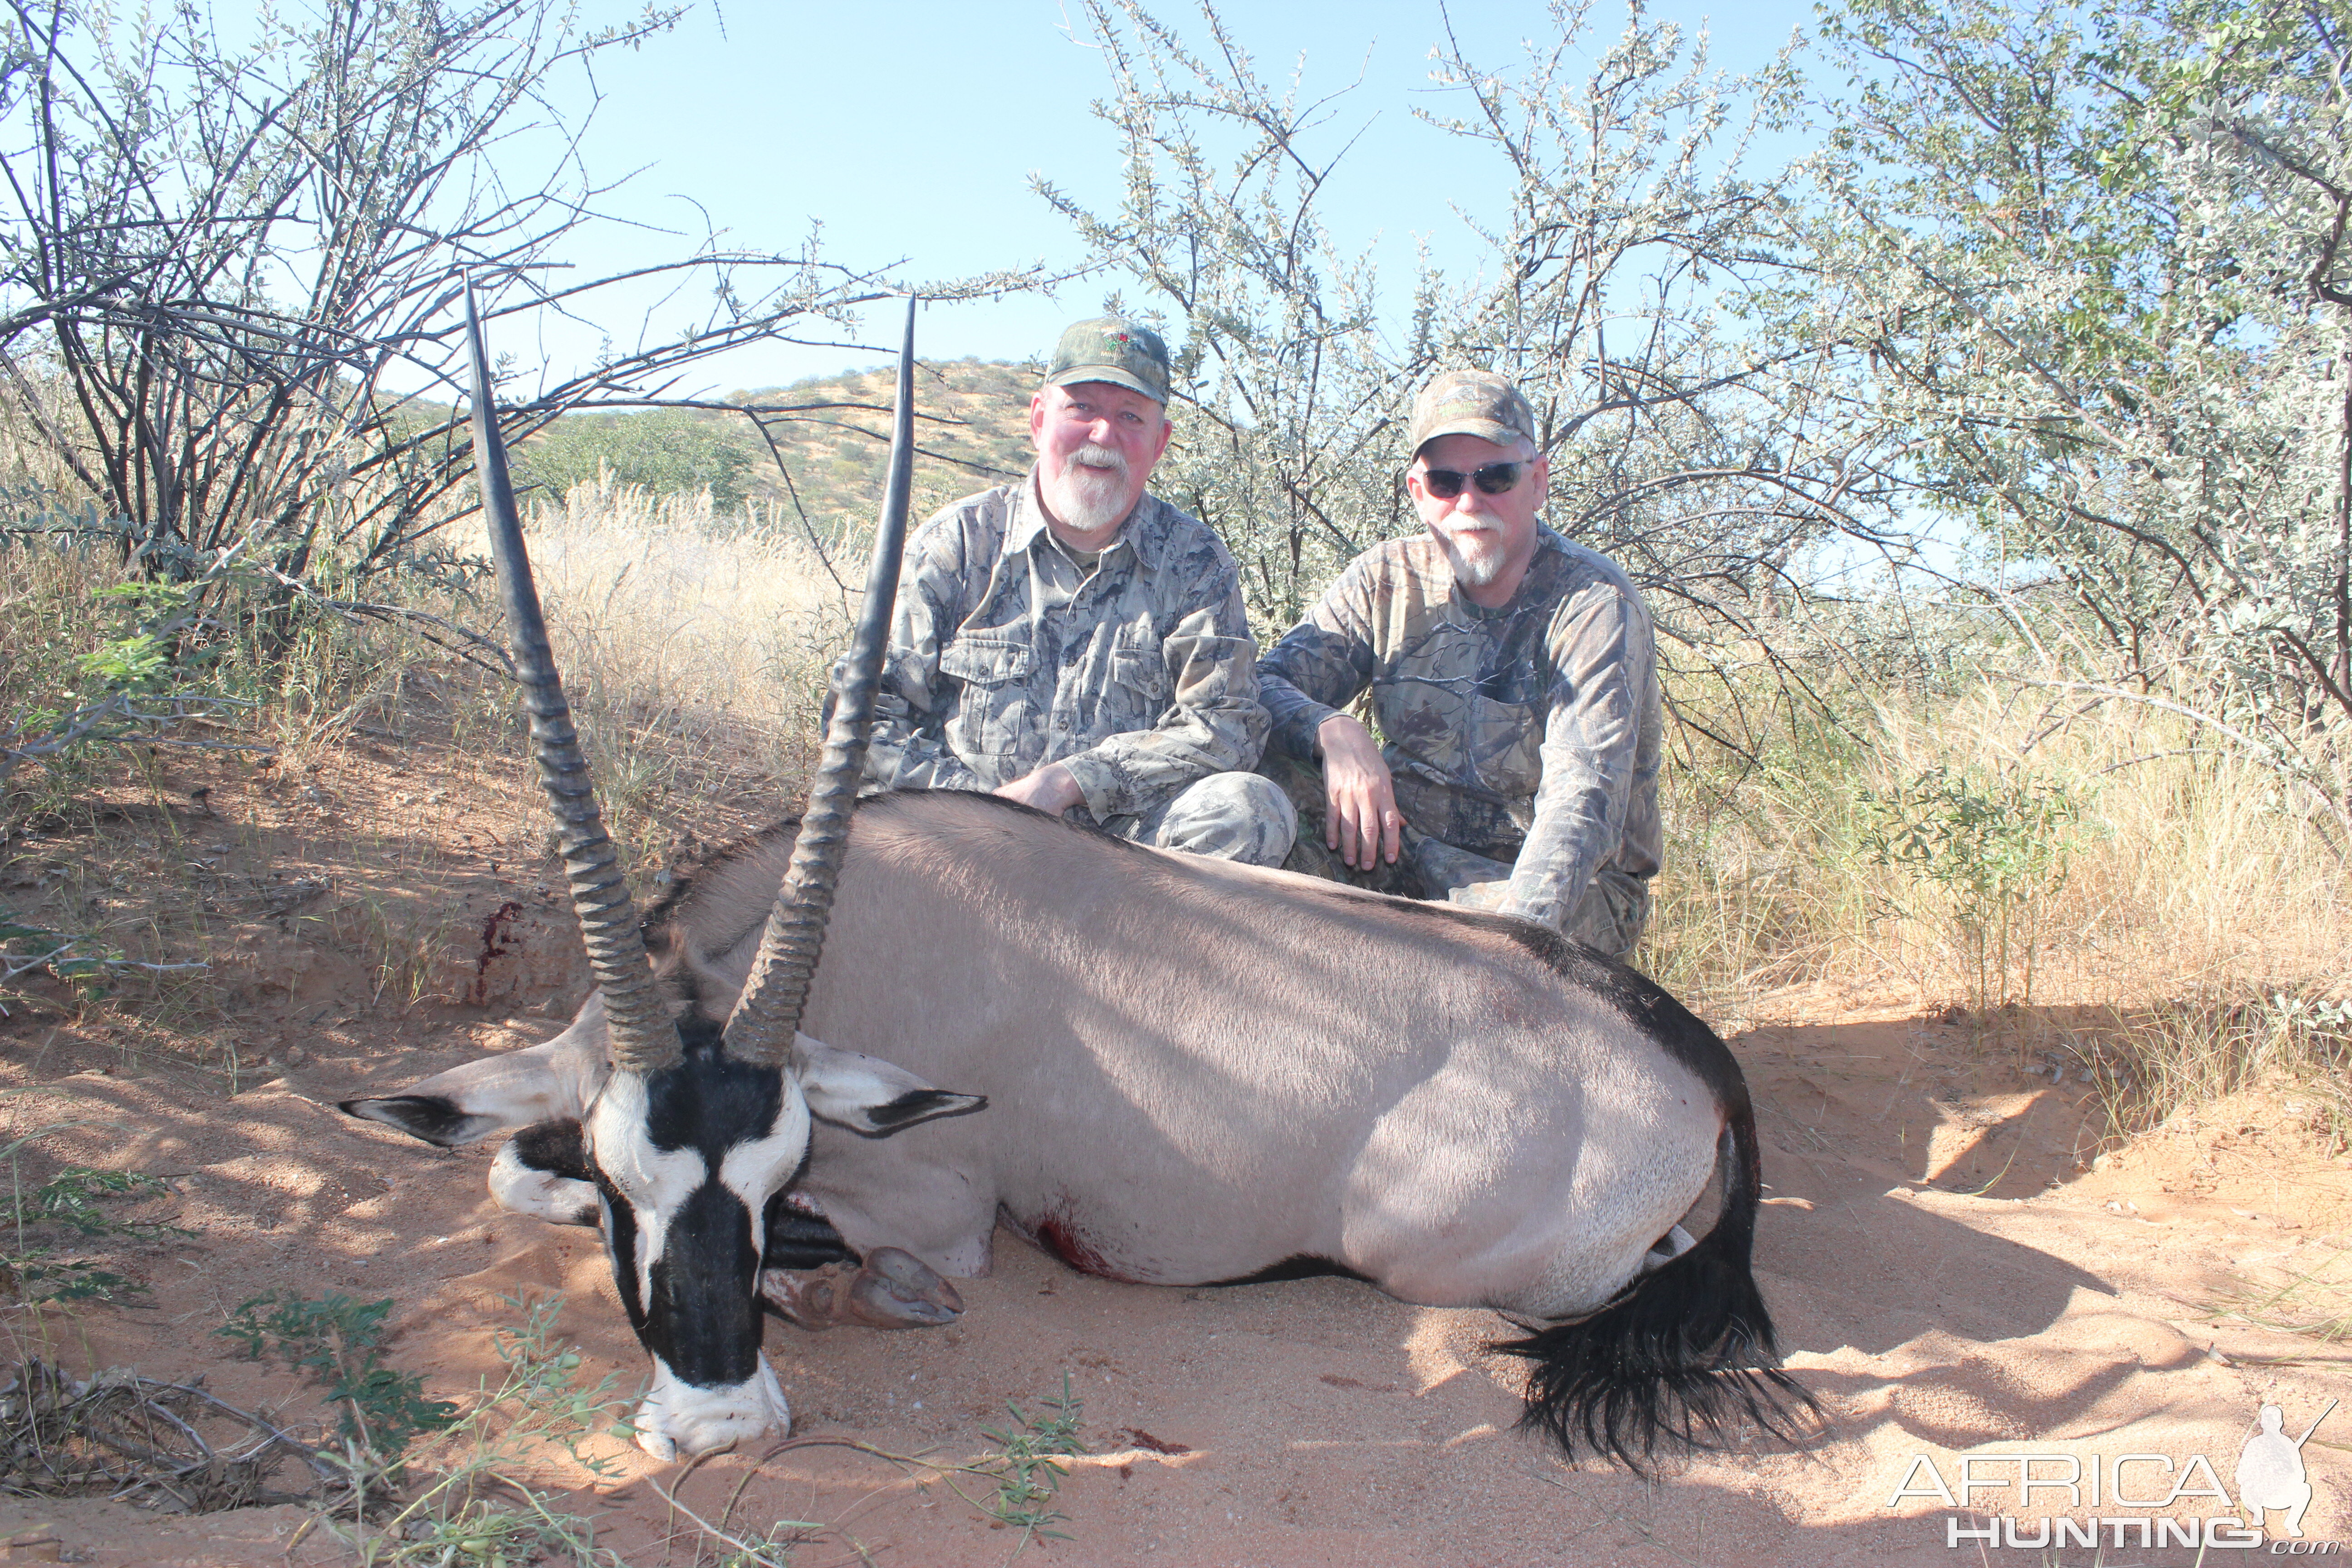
{"x": 1098, "y": 458}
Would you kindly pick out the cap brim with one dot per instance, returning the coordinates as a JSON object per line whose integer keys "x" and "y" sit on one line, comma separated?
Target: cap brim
{"x": 1109, "y": 372}
{"x": 1501, "y": 434}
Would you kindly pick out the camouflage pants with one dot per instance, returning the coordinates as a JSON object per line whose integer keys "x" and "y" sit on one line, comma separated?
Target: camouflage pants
{"x": 1608, "y": 918}
{"x": 1226, "y": 816}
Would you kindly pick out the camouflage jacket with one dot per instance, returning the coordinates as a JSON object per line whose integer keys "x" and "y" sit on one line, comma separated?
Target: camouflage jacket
{"x": 1530, "y": 734}
{"x": 1005, "y": 655}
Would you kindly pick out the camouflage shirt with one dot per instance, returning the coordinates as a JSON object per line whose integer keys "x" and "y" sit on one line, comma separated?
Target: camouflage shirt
{"x": 1529, "y": 734}
{"x": 1007, "y": 653}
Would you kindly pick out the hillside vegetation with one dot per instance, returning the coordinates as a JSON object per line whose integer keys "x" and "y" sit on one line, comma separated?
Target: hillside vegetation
{"x": 815, "y": 449}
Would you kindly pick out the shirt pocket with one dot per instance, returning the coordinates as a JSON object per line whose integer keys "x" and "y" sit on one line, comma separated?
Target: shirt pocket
{"x": 987, "y": 662}
{"x": 1135, "y": 695}
{"x": 992, "y": 710}
{"x": 1142, "y": 670}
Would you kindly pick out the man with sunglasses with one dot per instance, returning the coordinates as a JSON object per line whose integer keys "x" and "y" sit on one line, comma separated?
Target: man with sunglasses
{"x": 1076, "y": 644}
{"x": 1513, "y": 678}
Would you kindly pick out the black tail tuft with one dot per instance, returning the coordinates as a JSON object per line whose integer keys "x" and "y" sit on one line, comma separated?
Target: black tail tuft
{"x": 1682, "y": 1355}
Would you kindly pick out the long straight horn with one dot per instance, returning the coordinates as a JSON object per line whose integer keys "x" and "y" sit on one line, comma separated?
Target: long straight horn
{"x": 643, "y": 1040}
{"x": 769, "y": 1015}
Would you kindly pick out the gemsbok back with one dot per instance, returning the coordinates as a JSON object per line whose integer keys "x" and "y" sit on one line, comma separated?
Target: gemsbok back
{"x": 1195, "y": 1072}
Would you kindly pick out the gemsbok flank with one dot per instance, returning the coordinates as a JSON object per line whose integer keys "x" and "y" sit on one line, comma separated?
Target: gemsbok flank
{"x": 1195, "y": 1073}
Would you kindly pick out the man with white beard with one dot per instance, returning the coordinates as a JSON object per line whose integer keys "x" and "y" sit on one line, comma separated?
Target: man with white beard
{"x": 1077, "y": 645}
{"x": 1513, "y": 676}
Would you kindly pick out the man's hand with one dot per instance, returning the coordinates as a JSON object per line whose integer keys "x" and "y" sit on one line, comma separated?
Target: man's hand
{"x": 1051, "y": 789}
{"x": 1360, "y": 818}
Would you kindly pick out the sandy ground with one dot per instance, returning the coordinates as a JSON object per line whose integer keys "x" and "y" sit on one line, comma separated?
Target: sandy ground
{"x": 1950, "y": 1276}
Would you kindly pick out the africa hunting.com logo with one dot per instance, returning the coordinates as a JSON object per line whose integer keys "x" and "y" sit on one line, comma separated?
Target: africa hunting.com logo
{"x": 2124, "y": 1503}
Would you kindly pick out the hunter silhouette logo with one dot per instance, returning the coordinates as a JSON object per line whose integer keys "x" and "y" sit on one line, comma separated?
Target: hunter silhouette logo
{"x": 2270, "y": 1471}
{"x": 2142, "y": 1501}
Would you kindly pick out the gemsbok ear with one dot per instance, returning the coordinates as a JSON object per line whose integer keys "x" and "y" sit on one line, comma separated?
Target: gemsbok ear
{"x": 868, "y": 1095}
{"x": 432, "y": 1117}
{"x": 514, "y": 1089}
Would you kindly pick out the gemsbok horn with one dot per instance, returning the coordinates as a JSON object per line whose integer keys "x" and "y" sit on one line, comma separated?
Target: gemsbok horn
{"x": 697, "y": 1132}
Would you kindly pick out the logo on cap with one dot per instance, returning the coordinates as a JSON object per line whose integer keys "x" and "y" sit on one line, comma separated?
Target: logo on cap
{"x": 1112, "y": 350}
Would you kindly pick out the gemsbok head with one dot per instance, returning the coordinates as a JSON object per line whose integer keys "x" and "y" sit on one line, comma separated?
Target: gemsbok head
{"x": 697, "y": 1131}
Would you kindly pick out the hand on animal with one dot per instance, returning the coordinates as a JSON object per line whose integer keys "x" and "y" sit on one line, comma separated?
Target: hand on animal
{"x": 1050, "y": 789}
{"x": 1360, "y": 818}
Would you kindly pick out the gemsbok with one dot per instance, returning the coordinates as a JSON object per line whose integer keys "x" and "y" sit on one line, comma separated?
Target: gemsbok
{"x": 1195, "y": 1072}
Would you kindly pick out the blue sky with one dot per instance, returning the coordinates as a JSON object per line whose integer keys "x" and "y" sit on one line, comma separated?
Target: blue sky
{"x": 911, "y": 129}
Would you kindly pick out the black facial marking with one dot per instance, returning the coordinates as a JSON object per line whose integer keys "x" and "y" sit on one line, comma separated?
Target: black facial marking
{"x": 710, "y": 1102}
{"x": 426, "y": 1116}
{"x": 621, "y": 1247}
{"x": 700, "y": 1312}
{"x": 797, "y": 1240}
{"x": 556, "y": 1147}
{"x": 704, "y": 1321}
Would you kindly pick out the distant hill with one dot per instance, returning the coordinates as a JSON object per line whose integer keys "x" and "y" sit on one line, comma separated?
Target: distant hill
{"x": 971, "y": 430}
{"x": 972, "y": 427}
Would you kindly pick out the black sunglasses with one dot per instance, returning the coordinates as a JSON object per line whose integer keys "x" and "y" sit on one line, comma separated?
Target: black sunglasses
{"x": 1492, "y": 480}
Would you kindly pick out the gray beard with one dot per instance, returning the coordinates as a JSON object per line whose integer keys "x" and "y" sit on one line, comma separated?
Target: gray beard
{"x": 1089, "y": 500}
{"x": 1470, "y": 571}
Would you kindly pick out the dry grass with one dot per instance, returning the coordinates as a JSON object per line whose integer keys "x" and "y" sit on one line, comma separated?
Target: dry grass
{"x": 379, "y": 808}
{"x": 2190, "y": 943}
{"x": 2190, "y": 872}
{"x": 2197, "y": 873}
{"x": 695, "y": 648}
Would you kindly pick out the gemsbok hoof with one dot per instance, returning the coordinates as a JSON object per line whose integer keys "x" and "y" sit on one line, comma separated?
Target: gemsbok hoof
{"x": 895, "y": 1289}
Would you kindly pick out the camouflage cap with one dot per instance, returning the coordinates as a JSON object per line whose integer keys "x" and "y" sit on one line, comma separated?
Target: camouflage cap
{"x": 1471, "y": 403}
{"x": 1112, "y": 349}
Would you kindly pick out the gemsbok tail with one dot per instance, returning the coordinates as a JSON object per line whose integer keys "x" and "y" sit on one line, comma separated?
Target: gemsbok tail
{"x": 1683, "y": 1351}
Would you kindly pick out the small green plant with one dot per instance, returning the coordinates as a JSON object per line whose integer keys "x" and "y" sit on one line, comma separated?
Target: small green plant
{"x": 2321, "y": 1023}
{"x": 1028, "y": 1470}
{"x": 79, "y": 961}
{"x": 380, "y": 1410}
{"x": 477, "y": 1513}
{"x": 151, "y": 666}
{"x": 771, "y": 1548}
{"x": 1997, "y": 852}
{"x": 36, "y": 1264}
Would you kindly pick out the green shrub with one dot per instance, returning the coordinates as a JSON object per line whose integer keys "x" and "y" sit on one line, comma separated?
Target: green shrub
{"x": 667, "y": 451}
{"x": 1996, "y": 850}
{"x": 334, "y": 1338}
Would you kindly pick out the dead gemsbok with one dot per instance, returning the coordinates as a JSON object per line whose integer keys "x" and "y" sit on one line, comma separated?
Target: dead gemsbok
{"x": 1195, "y": 1072}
